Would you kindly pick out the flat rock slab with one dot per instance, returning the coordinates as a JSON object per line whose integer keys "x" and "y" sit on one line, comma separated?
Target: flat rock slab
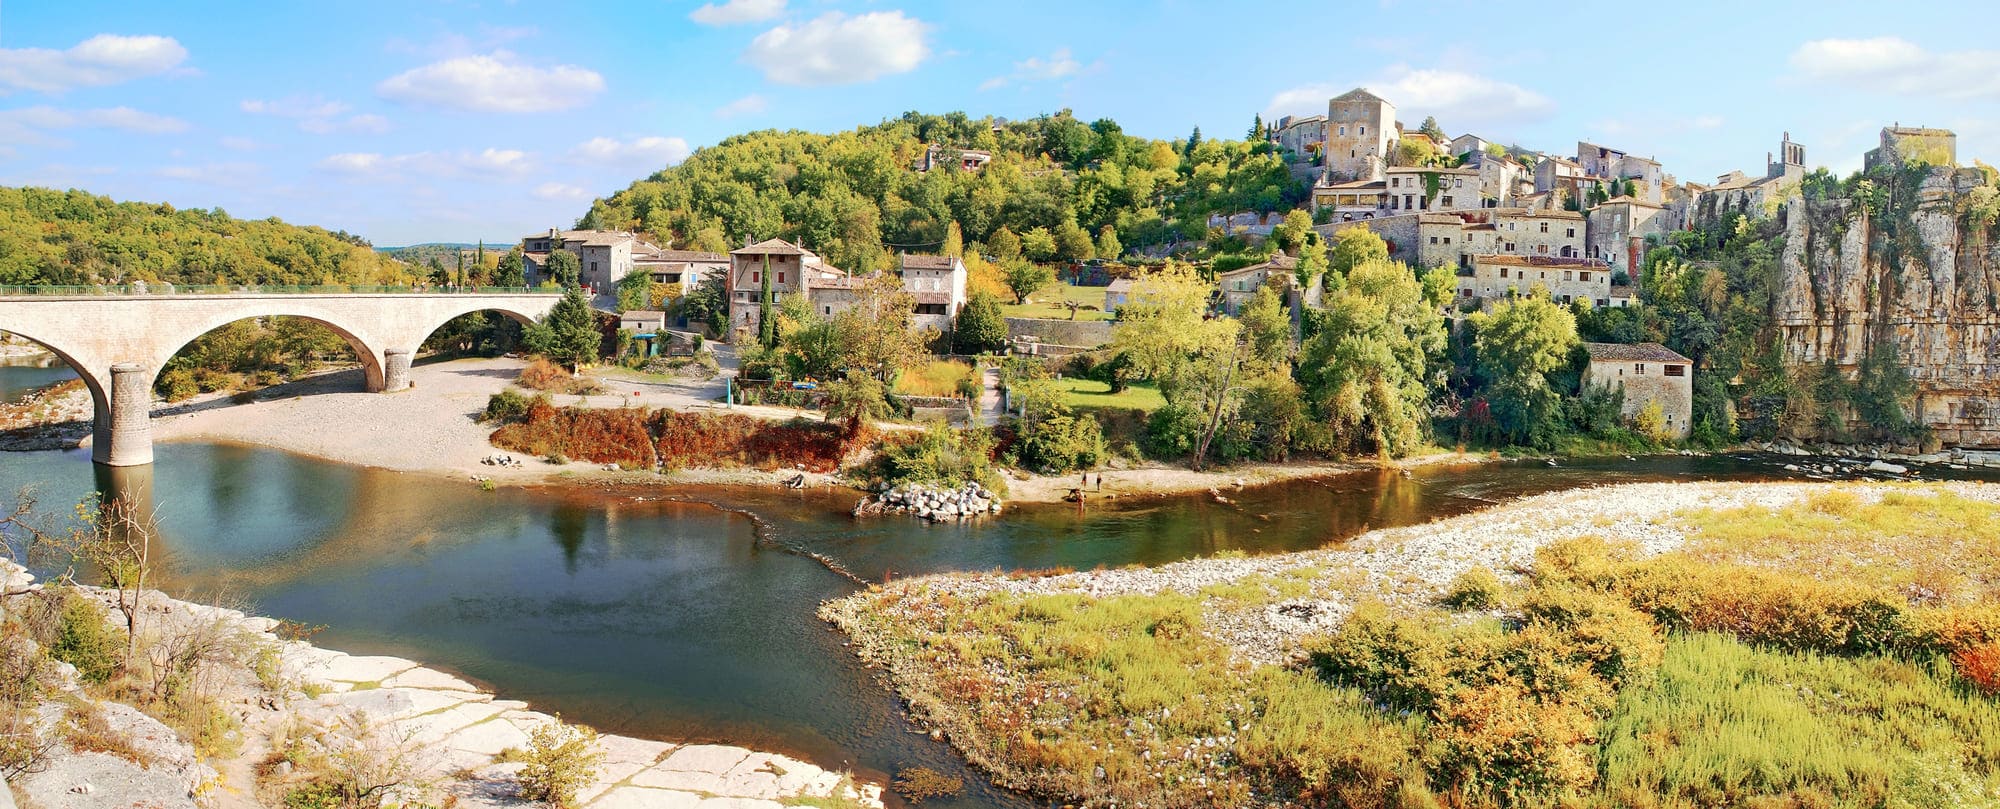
{"x": 397, "y": 704}
{"x": 645, "y": 798}
{"x": 618, "y": 749}
{"x": 431, "y": 679}
{"x": 363, "y": 669}
{"x": 714, "y": 758}
{"x": 103, "y": 781}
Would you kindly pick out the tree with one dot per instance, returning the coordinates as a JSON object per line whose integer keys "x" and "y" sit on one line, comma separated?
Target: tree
{"x": 707, "y": 303}
{"x": 561, "y": 758}
{"x": 1003, "y": 244}
{"x": 438, "y": 276}
{"x": 1430, "y": 127}
{"x": 1073, "y": 242}
{"x": 512, "y": 271}
{"x": 875, "y": 332}
{"x": 1518, "y": 345}
{"x": 562, "y": 267}
{"x": 1038, "y": 244}
{"x": 1025, "y": 277}
{"x": 635, "y": 291}
{"x": 980, "y": 328}
{"x": 1108, "y": 246}
{"x": 1256, "y": 129}
{"x": 1193, "y": 142}
{"x": 1369, "y": 367}
{"x": 1353, "y": 247}
{"x": 767, "y": 326}
{"x": 114, "y": 539}
{"x": 1194, "y": 359}
{"x": 857, "y": 398}
{"x": 568, "y": 334}
{"x": 954, "y": 240}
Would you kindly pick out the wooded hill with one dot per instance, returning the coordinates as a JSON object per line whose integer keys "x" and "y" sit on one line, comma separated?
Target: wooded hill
{"x": 1054, "y": 184}
{"x": 75, "y": 237}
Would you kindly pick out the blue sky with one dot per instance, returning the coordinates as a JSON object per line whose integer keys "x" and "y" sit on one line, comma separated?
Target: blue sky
{"x": 456, "y": 120}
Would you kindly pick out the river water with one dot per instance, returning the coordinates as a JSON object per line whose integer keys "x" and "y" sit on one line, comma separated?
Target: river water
{"x": 650, "y": 612}
{"x": 20, "y": 376}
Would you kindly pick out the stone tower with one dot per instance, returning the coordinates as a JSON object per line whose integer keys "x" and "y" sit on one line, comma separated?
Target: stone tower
{"x": 1791, "y": 162}
{"x": 1360, "y": 130}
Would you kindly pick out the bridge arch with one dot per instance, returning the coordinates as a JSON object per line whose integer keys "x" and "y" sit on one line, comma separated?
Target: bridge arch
{"x": 86, "y": 370}
{"x": 369, "y": 355}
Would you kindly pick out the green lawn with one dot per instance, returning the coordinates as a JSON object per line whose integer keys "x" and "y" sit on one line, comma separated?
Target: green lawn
{"x": 1090, "y": 393}
{"x": 1048, "y": 303}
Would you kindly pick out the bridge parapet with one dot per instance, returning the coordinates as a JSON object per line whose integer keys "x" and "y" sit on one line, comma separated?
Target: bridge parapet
{"x": 203, "y": 290}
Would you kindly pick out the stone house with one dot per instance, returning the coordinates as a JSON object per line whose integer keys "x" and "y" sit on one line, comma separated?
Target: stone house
{"x": 938, "y": 284}
{"x": 1355, "y": 199}
{"x": 1538, "y": 232}
{"x": 1605, "y": 164}
{"x": 1300, "y": 135}
{"x": 1410, "y": 189}
{"x": 1491, "y": 278}
{"x": 1911, "y": 144}
{"x": 1421, "y": 240}
{"x": 1563, "y": 180}
{"x": 681, "y": 269}
{"x": 1618, "y": 229}
{"x": 939, "y": 156}
{"x": 604, "y": 256}
{"x": 1116, "y": 294}
{"x": 1468, "y": 144}
{"x": 1646, "y": 373}
{"x": 1360, "y": 130}
{"x": 1501, "y": 179}
{"x": 642, "y": 321}
{"x": 1236, "y": 288}
{"x": 1739, "y": 191}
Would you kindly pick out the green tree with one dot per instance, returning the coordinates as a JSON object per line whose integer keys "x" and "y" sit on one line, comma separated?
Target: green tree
{"x": 1256, "y": 128}
{"x": 438, "y": 275}
{"x": 635, "y": 291}
{"x": 981, "y": 327}
{"x": 875, "y": 332}
{"x": 1003, "y": 244}
{"x": 568, "y": 334}
{"x": 1073, "y": 243}
{"x": 954, "y": 240}
{"x": 1369, "y": 369}
{"x": 1025, "y": 277}
{"x": 512, "y": 270}
{"x": 707, "y": 303}
{"x": 1108, "y": 246}
{"x": 1038, "y": 244}
{"x": 1353, "y": 247}
{"x": 1430, "y": 127}
{"x": 767, "y": 326}
{"x": 1193, "y": 143}
{"x": 1518, "y": 345}
{"x": 857, "y": 399}
{"x": 562, "y": 267}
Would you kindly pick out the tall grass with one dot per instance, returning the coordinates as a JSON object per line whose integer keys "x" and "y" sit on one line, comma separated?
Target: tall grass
{"x": 938, "y": 378}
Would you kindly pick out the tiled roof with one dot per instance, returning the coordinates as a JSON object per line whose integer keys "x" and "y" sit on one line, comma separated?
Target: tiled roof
{"x": 912, "y": 261}
{"x": 1627, "y": 199}
{"x": 688, "y": 255}
{"x": 1549, "y": 262}
{"x": 932, "y": 296}
{"x": 1632, "y": 352}
{"x": 1623, "y": 291}
{"x": 1359, "y": 94}
{"x": 771, "y": 247}
{"x": 1119, "y": 285}
{"x": 1277, "y": 262}
{"x": 1548, "y": 213}
{"x": 1423, "y": 169}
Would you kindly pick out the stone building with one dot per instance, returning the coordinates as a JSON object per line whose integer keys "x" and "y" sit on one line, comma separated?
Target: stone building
{"x": 1741, "y": 192}
{"x": 1236, "y": 288}
{"x": 1491, "y": 278}
{"x": 1410, "y": 188}
{"x": 603, "y": 256}
{"x": 1605, "y": 164}
{"x": 1300, "y": 135}
{"x": 1902, "y": 145}
{"x": 1360, "y": 131}
{"x": 1351, "y": 200}
{"x": 936, "y": 282}
{"x": 1421, "y": 240}
{"x": 1646, "y": 373}
{"x": 681, "y": 269}
{"x": 1618, "y": 229}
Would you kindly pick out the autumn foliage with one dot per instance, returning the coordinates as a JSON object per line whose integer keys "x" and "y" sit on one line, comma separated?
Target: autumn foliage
{"x": 637, "y": 438}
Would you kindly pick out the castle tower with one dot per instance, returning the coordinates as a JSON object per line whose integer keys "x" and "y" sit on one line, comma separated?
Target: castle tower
{"x": 1791, "y": 162}
{"x": 1360, "y": 130}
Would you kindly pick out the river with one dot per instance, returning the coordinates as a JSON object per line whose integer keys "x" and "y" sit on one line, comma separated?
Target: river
{"x": 648, "y": 612}
{"x": 20, "y": 376}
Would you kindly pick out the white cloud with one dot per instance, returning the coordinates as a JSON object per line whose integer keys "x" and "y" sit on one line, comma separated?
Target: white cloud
{"x": 559, "y": 192}
{"x": 95, "y": 62}
{"x": 1461, "y": 101}
{"x": 732, "y": 12}
{"x": 317, "y": 115}
{"x": 499, "y": 82}
{"x": 835, "y": 48}
{"x": 1898, "y": 66}
{"x": 25, "y": 123}
{"x": 240, "y": 144}
{"x": 460, "y": 165}
{"x": 751, "y": 104}
{"x": 1036, "y": 68}
{"x": 647, "y": 153}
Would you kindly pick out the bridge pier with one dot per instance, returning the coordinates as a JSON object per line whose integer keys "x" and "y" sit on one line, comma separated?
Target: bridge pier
{"x": 124, "y": 436}
{"x": 395, "y": 370}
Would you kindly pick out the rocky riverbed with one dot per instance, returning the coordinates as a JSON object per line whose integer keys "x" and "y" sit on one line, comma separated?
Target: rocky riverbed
{"x": 456, "y": 735}
{"x": 934, "y": 503}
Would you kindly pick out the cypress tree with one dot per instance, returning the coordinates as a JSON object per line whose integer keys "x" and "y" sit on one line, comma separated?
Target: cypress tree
{"x": 767, "y": 328}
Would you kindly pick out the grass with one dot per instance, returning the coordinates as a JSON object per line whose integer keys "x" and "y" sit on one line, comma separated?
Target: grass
{"x": 1090, "y": 394}
{"x": 1048, "y": 303}
{"x": 1729, "y": 674}
{"x": 935, "y": 378}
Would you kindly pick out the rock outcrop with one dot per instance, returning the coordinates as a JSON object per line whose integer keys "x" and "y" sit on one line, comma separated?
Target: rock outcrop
{"x": 1916, "y": 277}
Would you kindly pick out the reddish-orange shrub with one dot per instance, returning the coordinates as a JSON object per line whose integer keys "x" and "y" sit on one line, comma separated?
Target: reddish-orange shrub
{"x": 596, "y": 435}
{"x": 721, "y": 439}
{"x": 542, "y": 374}
{"x": 1981, "y": 667}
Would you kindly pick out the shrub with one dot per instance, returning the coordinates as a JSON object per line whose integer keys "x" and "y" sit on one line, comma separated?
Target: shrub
{"x": 544, "y": 375}
{"x": 560, "y": 760}
{"x": 935, "y": 378}
{"x": 1061, "y": 442}
{"x": 922, "y": 783}
{"x": 598, "y": 435}
{"x": 1474, "y": 590}
{"x": 732, "y": 439}
{"x": 1980, "y": 666}
{"x": 86, "y": 639}
{"x": 177, "y": 384}
{"x": 937, "y": 455}
{"x": 509, "y": 406}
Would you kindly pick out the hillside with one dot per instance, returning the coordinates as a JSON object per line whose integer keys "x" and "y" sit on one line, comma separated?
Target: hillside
{"x": 75, "y": 237}
{"x": 1055, "y": 183}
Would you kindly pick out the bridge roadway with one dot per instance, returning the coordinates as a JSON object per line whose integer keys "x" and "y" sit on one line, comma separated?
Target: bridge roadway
{"x": 118, "y": 343}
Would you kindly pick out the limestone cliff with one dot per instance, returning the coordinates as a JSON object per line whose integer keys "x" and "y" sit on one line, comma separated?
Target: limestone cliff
{"x": 1903, "y": 269}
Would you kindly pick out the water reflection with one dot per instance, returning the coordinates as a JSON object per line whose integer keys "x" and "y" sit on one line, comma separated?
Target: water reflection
{"x": 21, "y": 376}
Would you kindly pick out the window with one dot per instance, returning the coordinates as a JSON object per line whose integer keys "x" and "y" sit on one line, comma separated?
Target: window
{"x": 1395, "y": 182}
{"x": 1503, "y": 272}
{"x": 593, "y": 266}
{"x": 1343, "y": 131}
{"x": 1364, "y": 129}
{"x": 1350, "y": 153}
{"x": 756, "y": 277}
{"x": 1606, "y": 302}
{"x": 1545, "y": 227}
{"x": 1542, "y": 249}
{"x": 1510, "y": 226}
{"x": 1447, "y": 240}
{"x": 1639, "y": 368}
{"x": 1510, "y": 247}
{"x": 1458, "y": 183}
{"x": 1434, "y": 240}
{"x": 1566, "y": 275}
{"x": 829, "y": 309}
{"x": 1676, "y": 370}
{"x": 1467, "y": 291}
{"x": 1571, "y": 233}
{"x": 781, "y": 276}
{"x": 1583, "y": 276}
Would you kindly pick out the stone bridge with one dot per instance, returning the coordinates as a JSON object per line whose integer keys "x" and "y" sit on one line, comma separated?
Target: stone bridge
{"x": 119, "y": 343}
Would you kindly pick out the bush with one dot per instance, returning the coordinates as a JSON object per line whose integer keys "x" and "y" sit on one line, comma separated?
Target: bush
{"x": 1474, "y": 590}
{"x": 940, "y": 454}
{"x": 1172, "y": 432}
{"x": 732, "y": 439}
{"x": 544, "y": 375}
{"x": 177, "y": 384}
{"x": 86, "y": 639}
{"x": 508, "y": 406}
{"x": 1061, "y": 442}
{"x": 597, "y": 435}
{"x": 560, "y": 760}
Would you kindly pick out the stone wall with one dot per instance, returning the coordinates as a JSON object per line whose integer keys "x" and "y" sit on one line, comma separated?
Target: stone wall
{"x": 1647, "y": 382}
{"x": 1084, "y": 333}
{"x": 1922, "y": 285}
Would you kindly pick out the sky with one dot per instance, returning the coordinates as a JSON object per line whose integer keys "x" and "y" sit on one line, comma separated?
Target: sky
{"x": 460, "y": 120}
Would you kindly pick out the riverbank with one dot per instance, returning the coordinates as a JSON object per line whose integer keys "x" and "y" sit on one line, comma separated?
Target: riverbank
{"x": 1189, "y": 682}
{"x": 447, "y": 741}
